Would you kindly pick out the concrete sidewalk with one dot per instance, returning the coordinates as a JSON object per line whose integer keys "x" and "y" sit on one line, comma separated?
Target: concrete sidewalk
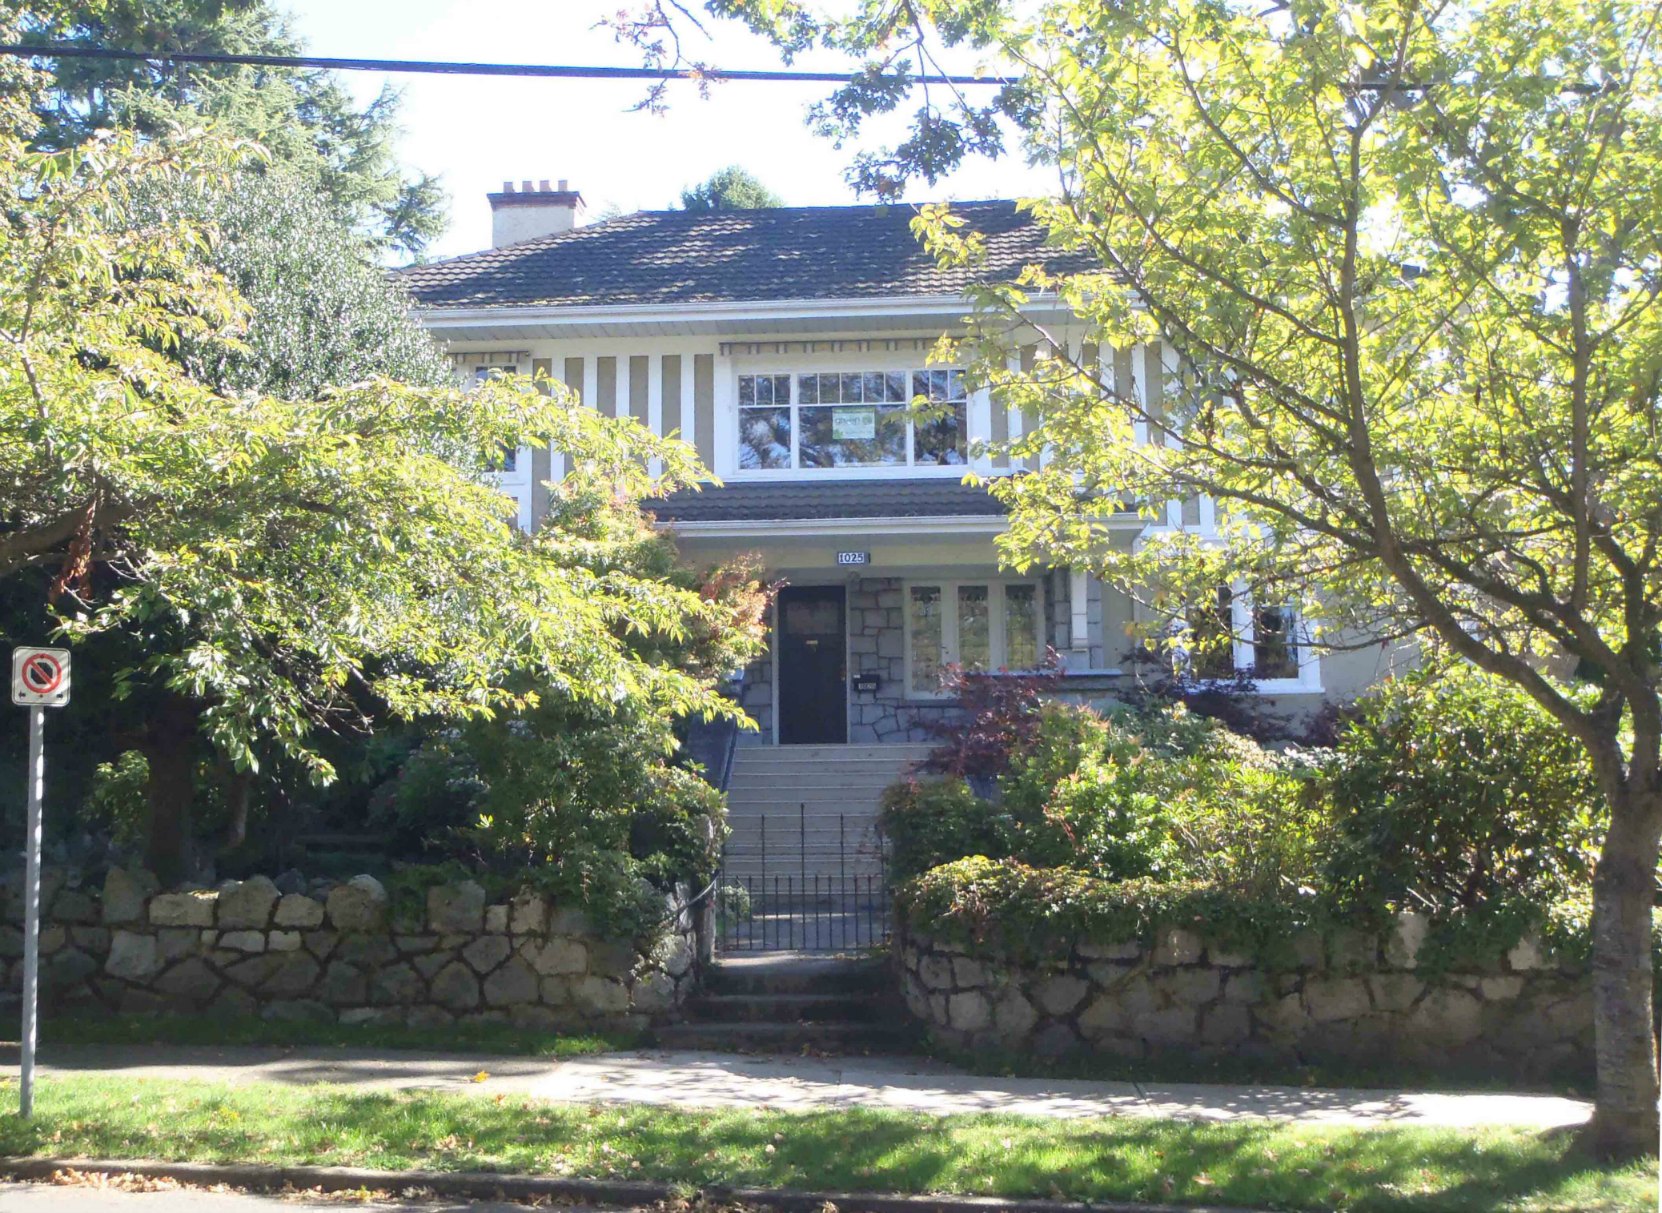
{"x": 803, "y": 1084}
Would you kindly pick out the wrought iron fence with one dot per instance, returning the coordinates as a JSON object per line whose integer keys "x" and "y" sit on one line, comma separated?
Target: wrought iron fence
{"x": 826, "y": 904}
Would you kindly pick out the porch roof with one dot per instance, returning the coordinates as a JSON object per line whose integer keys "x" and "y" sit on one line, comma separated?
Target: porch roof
{"x": 796, "y": 500}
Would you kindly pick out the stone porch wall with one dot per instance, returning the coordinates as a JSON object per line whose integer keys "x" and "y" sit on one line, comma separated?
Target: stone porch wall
{"x": 338, "y": 951}
{"x": 877, "y": 645}
{"x": 1351, "y": 997}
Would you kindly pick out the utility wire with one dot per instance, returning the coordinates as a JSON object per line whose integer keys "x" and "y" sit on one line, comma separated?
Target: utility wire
{"x": 442, "y": 67}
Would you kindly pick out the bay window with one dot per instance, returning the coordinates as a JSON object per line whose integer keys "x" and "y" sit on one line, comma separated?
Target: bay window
{"x": 851, "y": 419}
{"x": 979, "y": 625}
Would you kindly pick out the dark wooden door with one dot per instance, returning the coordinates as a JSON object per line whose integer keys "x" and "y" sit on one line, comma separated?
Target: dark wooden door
{"x": 813, "y": 673}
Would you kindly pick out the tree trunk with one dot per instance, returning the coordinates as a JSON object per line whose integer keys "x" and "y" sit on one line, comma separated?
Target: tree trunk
{"x": 170, "y": 746}
{"x": 1624, "y": 893}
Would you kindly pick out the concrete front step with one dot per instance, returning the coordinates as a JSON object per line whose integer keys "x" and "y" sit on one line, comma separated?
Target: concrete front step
{"x": 785, "y": 973}
{"x": 786, "y": 1008}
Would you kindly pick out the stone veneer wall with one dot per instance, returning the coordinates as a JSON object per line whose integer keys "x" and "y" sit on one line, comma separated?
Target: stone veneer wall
{"x": 1350, "y": 997}
{"x": 338, "y": 952}
{"x": 877, "y": 645}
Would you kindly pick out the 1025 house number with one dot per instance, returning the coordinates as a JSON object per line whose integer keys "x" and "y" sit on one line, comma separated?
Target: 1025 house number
{"x": 853, "y": 558}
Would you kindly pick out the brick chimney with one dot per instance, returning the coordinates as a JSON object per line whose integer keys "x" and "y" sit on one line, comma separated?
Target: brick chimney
{"x": 532, "y": 211}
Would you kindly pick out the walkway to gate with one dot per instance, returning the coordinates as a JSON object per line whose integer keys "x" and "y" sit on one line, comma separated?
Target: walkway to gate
{"x": 804, "y": 866}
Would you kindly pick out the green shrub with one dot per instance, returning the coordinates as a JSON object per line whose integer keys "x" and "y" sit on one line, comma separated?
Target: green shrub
{"x": 928, "y": 822}
{"x": 1451, "y": 789}
{"x": 1037, "y": 914}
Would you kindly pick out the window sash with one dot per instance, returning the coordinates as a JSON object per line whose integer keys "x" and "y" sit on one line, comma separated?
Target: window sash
{"x": 781, "y": 413}
{"x": 948, "y": 625}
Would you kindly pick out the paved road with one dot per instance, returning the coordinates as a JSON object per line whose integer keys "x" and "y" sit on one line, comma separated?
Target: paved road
{"x": 789, "y": 1083}
{"x": 51, "y": 1198}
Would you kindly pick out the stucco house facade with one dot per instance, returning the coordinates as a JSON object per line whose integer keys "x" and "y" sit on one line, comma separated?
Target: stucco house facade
{"x": 785, "y": 345}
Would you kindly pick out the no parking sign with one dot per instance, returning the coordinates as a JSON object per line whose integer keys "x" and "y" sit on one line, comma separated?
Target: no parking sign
{"x": 40, "y": 680}
{"x": 40, "y": 677}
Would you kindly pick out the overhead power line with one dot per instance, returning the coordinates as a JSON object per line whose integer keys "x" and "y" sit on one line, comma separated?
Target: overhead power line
{"x": 445, "y": 68}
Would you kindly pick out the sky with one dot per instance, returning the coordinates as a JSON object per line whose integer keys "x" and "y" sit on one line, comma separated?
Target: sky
{"x": 475, "y": 133}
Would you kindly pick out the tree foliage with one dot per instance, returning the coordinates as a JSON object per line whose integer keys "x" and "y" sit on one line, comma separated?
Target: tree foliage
{"x": 1406, "y": 257}
{"x": 306, "y": 119}
{"x": 729, "y": 189}
{"x": 307, "y": 562}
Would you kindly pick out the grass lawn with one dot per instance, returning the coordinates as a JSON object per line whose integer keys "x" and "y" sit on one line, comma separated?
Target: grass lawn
{"x": 251, "y": 1030}
{"x": 1248, "y": 1164}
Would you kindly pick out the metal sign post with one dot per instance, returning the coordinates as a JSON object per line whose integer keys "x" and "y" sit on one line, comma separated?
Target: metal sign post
{"x": 40, "y": 680}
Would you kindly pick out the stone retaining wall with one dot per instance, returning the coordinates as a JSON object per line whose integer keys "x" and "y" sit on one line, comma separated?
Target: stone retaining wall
{"x": 338, "y": 952}
{"x": 1350, "y": 997}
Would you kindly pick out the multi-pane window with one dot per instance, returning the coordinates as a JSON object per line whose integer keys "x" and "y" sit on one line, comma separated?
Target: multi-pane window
{"x": 1227, "y": 636}
{"x": 979, "y": 625}
{"x": 508, "y": 461}
{"x": 853, "y": 419}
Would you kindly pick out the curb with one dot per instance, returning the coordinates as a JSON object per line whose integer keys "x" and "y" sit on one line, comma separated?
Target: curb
{"x": 489, "y": 1185}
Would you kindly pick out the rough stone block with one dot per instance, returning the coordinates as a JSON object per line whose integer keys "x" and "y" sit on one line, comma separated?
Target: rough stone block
{"x": 1446, "y": 1018}
{"x": 11, "y": 942}
{"x": 291, "y": 973}
{"x": 132, "y": 956}
{"x": 654, "y": 993}
{"x": 1061, "y": 994}
{"x": 397, "y": 986}
{"x": 486, "y": 952}
{"x": 456, "y": 908}
{"x": 367, "y": 948}
{"x": 968, "y": 973}
{"x": 1337, "y": 998}
{"x": 513, "y": 983}
{"x": 611, "y": 957}
{"x": 1013, "y": 1017}
{"x": 528, "y": 914}
{"x": 232, "y": 1003}
{"x": 1500, "y": 989}
{"x": 1245, "y": 988}
{"x": 1527, "y": 956}
{"x": 1394, "y": 991}
{"x": 283, "y": 941}
{"x": 343, "y": 984}
{"x": 969, "y": 1012}
{"x": 72, "y": 905}
{"x": 1191, "y": 987}
{"x": 92, "y": 939}
{"x": 190, "y": 981}
{"x": 559, "y": 956}
{"x": 1176, "y": 946}
{"x": 935, "y": 972}
{"x": 242, "y": 941}
{"x": 1402, "y": 948}
{"x": 554, "y": 991}
{"x": 298, "y": 910}
{"x": 455, "y": 987}
{"x": 358, "y": 905}
{"x": 496, "y": 920}
{"x": 1225, "y": 1024}
{"x": 125, "y": 892}
{"x": 52, "y": 939}
{"x": 246, "y": 905}
{"x": 1055, "y": 1040}
{"x": 1103, "y": 1018}
{"x": 372, "y": 1015}
{"x": 676, "y": 955}
{"x": 600, "y": 996}
{"x": 1350, "y": 951}
{"x": 195, "y": 909}
{"x": 1308, "y": 952}
{"x": 68, "y": 968}
{"x": 299, "y": 1010}
{"x": 411, "y": 945}
{"x": 428, "y": 1017}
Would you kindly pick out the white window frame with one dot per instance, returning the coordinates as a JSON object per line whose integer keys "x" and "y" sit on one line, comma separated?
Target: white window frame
{"x": 1243, "y": 632}
{"x": 849, "y": 364}
{"x": 949, "y": 623}
{"x": 517, "y": 483}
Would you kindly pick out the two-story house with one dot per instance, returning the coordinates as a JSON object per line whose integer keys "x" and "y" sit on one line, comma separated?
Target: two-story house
{"x": 786, "y": 345}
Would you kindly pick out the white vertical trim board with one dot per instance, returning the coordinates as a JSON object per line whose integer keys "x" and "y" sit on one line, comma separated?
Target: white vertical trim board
{"x": 1079, "y": 609}
{"x": 689, "y": 403}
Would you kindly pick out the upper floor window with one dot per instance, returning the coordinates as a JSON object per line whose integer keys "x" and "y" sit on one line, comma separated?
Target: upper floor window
{"x": 508, "y": 461}
{"x": 852, "y": 419}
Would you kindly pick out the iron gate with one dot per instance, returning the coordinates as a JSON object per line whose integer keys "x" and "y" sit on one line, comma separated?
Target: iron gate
{"x": 829, "y": 897}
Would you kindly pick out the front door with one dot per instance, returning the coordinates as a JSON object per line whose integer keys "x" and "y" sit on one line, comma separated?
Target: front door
{"x": 813, "y": 673}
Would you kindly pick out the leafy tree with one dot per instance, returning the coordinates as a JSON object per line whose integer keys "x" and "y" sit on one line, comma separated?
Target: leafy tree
{"x": 305, "y": 118}
{"x": 729, "y": 189}
{"x": 291, "y": 563}
{"x": 1406, "y": 257}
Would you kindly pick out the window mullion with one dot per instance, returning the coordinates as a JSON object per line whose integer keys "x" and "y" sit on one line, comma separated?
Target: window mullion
{"x": 996, "y": 648}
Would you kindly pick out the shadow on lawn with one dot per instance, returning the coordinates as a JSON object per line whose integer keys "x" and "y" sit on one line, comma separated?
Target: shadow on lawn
{"x": 849, "y": 1150}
